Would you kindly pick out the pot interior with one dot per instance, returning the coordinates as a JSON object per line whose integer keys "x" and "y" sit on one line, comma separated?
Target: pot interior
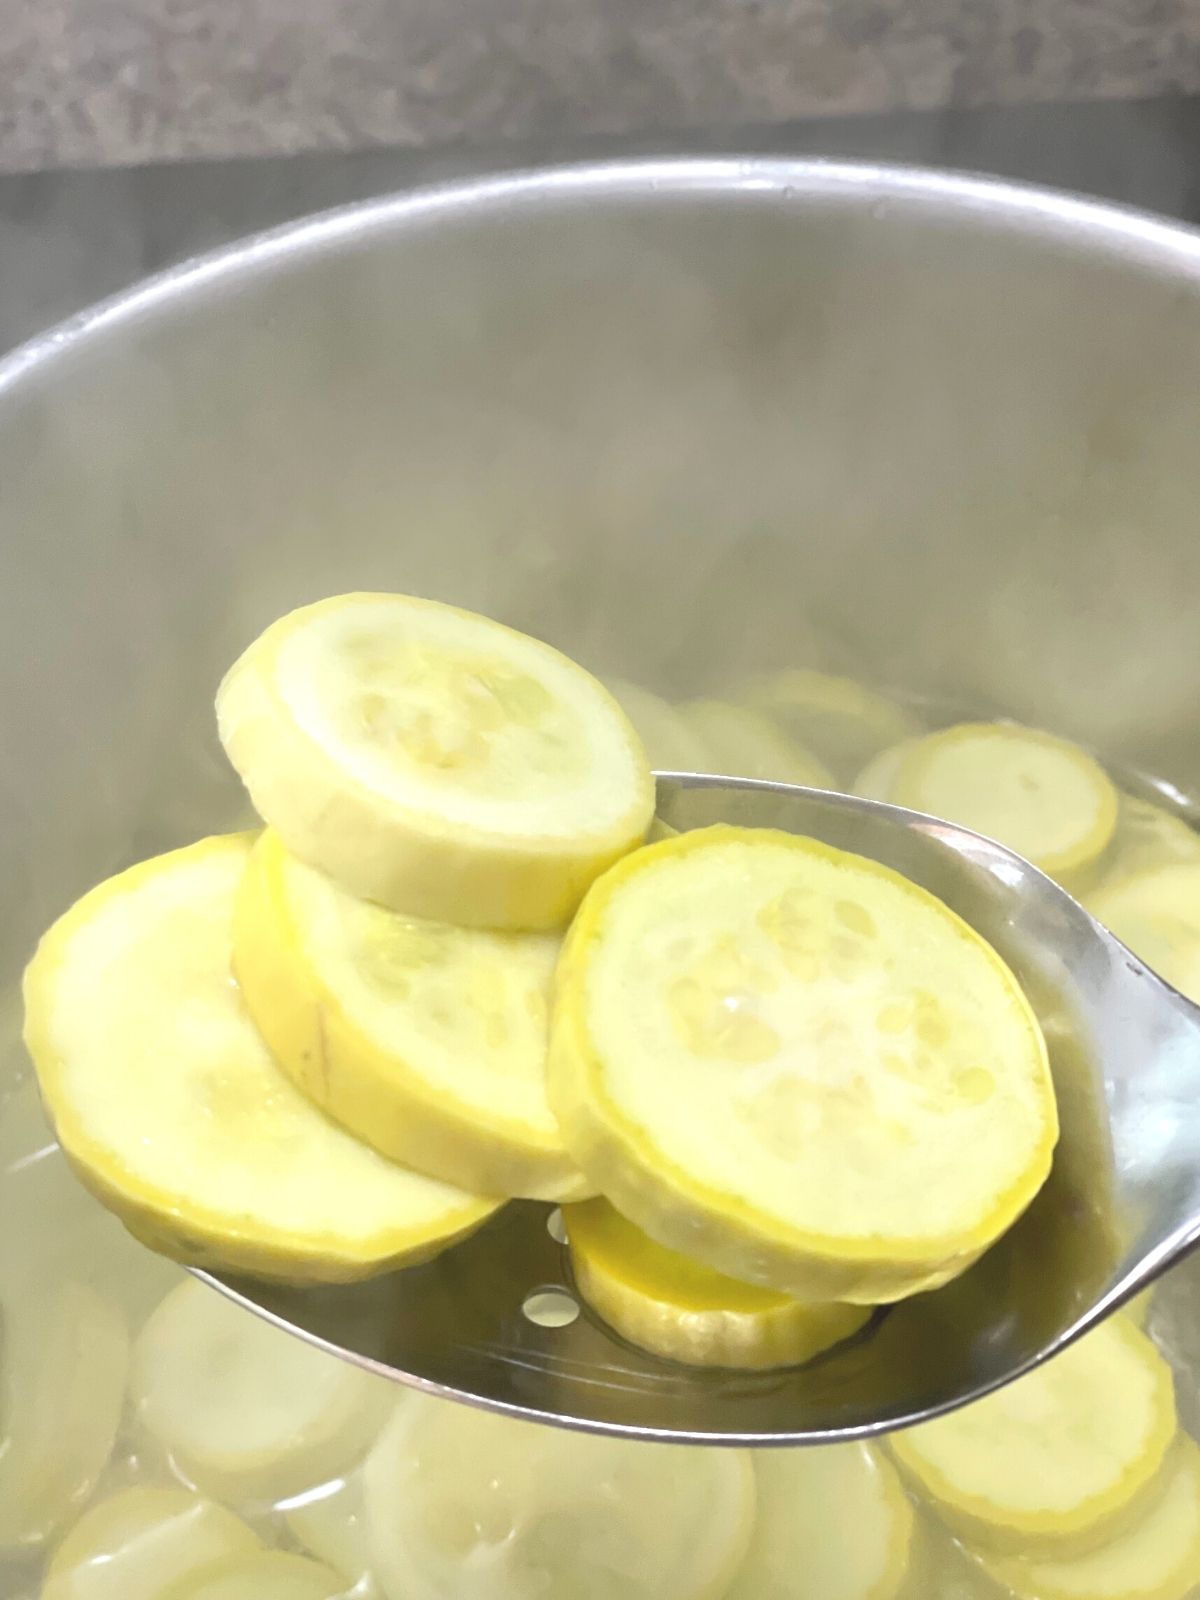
{"x": 691, "y": 422}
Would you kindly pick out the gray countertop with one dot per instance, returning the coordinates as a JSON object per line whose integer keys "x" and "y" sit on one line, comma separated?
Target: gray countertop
{"x": 87, "y": 82}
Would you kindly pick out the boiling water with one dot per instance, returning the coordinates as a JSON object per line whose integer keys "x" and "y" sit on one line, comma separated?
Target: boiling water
{"x": 152, "y": 1433}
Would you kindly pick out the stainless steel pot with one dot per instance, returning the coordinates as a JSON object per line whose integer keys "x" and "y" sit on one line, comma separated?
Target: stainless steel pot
{"x": 684, "y": 418}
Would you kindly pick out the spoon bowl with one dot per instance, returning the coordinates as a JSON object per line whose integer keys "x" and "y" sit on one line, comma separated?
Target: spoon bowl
{"x": 497, "y": 1322}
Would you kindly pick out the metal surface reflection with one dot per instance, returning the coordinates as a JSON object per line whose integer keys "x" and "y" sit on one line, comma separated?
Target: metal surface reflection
{"x": 1122, "y": 1202}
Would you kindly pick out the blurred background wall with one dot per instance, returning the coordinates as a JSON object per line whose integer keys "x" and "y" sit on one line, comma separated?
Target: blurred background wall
{"x": 85, "y": 82}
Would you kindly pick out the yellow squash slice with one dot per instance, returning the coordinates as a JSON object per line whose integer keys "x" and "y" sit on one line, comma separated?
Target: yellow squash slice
{"x": 1157, "y": 914}
{"x": 465, "y": 1505}
{"x": 246, "y": 1411}
{"x": 671, "y": 744}
{"x": 1158, "y": 1558}
{"x": 168, "y": 1103}
{"x": 833, "y": 1523}
{"x": 795, "y": 1066}
{"x": 1041, "y": 796}
{"x": 877, "y": 780}
{"x": 137, "y": 1543}
{"x": 331, "y": 1525}
{"x": 1148, "y": 836}
{"x": 435, "y": 761}
{"x": 841, "y": 721}
{"x": 677, "y": 1308}
{"x": 1053, "y": 1461}
{"x": 426, "y": 1040}
{"x": 263, "y": 1575}
{"x": 741, "y": 742}
{"x": 941, "y": 1568}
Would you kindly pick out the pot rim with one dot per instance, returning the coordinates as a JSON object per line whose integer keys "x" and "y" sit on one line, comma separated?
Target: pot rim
{"x": 1140, "y": 239}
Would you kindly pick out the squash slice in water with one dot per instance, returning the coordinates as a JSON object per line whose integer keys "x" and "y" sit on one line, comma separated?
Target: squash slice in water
{"x": 427, "y": 1041}
{"x": 246, "y": 1411}
{"x": 877, "y": 780}
{"x": 1157, "y": 914}
{"x": 263, "y": 1575}
{"x": 666, "y": 1303}
{"x": 671, "y": 745}
{"x": 1148, "y": 836}
{"x": 740, "y": 742}
{"x": 465, "y": 1505}
{"x": 168, "y": 1103}
{"x": 1054, "y": 1461}
{"x": 841, "y": 721}
{"x": 331, "y": 1525}
{"x": 435, "y": 761}
{"x": 1041, "y": 796}
{"x": 1158, "y": 1558}
{"x": 136, "y": 1543}
{"x": 833, "y": 1523}
{"x": 795, "y": 1066}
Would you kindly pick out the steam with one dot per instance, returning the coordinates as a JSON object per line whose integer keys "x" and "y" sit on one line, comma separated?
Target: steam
{"x": 684, "y": 438}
